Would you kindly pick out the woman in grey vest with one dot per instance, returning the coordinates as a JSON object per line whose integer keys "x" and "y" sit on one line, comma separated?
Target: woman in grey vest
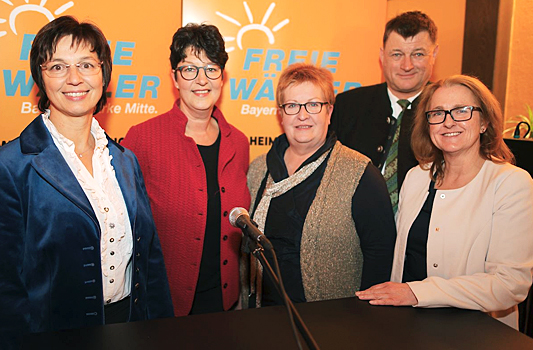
{"x": 324, "y": 207}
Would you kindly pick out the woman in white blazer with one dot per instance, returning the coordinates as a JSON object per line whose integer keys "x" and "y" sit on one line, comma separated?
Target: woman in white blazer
{"x": 465, "y": 218}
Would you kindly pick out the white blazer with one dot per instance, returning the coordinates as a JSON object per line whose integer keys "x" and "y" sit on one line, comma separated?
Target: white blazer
{"x": 480, "y": 242}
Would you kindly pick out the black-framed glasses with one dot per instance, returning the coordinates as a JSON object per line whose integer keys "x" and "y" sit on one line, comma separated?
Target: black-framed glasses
{"x": 459, "y": 114}
{"x": 190, "y": 72}
{"x": 59, "y": 70}
{"x": 293, "y": 108}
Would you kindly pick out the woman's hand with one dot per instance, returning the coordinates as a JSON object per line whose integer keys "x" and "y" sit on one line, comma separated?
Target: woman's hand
{"x": 389, "y": 293}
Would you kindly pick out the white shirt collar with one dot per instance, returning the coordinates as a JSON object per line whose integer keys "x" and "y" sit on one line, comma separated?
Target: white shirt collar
{"x": 396, "y": 108}
{"x": 97, "y": 132}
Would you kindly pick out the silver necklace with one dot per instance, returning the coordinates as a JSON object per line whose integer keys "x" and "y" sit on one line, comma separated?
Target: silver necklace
{"x": 87, "y": 149}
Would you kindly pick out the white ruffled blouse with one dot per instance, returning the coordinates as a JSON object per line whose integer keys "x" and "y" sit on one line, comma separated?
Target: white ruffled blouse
{"x": 104, "y": 194}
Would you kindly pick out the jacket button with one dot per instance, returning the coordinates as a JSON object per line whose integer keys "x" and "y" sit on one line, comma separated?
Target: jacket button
{"x": 225, "y": 237}
{"x": 138, "y": 255}
{"x": 380, "y": 148}
{"x": 388, "y": 120}
{"x": 225, "y": 213}
{"x": 136, "y": 301}
{"x": 225, "y": 262}
{"x": 137, "y": 285}
{"x": 223, "y": 190}
{"x": 137, "y": 270}
{"x": 138, "y": 239}
{"x": 225, "y": 285}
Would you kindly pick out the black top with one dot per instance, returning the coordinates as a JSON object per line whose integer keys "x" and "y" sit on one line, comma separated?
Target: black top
{"x": 208, "y": 295}
{"x": 414, "y": 268}
{"x": 374, "y": 222}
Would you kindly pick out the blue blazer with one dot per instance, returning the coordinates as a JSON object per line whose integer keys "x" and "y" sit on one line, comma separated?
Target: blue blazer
{"x": 50, "y": 264}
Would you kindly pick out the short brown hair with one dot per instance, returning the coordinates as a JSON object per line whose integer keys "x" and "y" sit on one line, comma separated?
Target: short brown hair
{"x": 409, "y": 24}
{"x": 44, "y": 46}
{"x": 492, "y": 145}
{"x": 298, "y": 73}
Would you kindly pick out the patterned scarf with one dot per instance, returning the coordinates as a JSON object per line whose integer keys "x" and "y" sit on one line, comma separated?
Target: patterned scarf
{"x": 273, "y": 190}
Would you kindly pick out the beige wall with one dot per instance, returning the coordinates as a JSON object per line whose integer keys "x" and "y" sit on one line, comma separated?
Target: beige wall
{"x": 519, "y": 82}
{"x": 449, "y": 16}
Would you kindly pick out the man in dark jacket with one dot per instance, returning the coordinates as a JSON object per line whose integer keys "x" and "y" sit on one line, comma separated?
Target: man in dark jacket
{"x": 366, "y": 118}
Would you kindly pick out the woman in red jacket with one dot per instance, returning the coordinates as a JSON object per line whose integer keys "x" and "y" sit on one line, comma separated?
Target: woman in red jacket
{"x": 195, "y": 166}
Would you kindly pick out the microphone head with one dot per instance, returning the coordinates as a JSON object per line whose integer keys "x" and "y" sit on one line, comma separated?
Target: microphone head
{"x": 234, "y": 215}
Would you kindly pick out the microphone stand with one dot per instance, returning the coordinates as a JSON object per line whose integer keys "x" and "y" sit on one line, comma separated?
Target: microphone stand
{"x": 278, "y": 283}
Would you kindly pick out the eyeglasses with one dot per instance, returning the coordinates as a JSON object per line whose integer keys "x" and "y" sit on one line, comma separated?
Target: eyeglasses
{"x": 59, "y": 70}
{"x": 212, "y": 71}
{"x": 294, "y": 108}
{"x": 459, "y": 114}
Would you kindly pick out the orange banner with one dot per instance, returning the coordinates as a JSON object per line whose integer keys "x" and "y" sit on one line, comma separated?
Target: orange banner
{"x": 139, "y": 34}
{"x": 264, "y": 37}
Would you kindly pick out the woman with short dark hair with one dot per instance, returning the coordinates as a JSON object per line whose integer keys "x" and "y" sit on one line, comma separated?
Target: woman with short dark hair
{"x": 195, "y": 166}
{"x": 77, "y": 237}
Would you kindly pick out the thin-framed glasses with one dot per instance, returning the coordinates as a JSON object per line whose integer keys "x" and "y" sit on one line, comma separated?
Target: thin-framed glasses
{"x": 190, "y": 72}
{"x": 293, "y": 108}
{"x": 59, "y": 70}
{"x": 459, "y": 114}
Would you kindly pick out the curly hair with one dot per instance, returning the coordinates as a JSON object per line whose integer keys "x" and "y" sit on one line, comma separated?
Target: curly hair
{"x": 83, "y": 34}
{"x": 201, "y": 38}
{"x": 492, "y": 146}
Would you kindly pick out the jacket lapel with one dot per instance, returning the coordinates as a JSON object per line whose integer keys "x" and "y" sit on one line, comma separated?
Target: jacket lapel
{"x": 49, "y": 163}
{"x": 226, "y": 150}
{"x": 125, "y": 173}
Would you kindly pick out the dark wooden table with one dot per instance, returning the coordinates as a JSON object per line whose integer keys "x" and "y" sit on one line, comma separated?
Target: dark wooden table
{"x": 335, "y": 324}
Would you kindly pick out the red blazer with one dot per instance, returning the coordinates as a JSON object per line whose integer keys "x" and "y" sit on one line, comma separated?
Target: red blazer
{"x": 177, "y": 187}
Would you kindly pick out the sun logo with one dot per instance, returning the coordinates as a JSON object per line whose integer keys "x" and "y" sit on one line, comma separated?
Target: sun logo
{"x": 27, "y": 7}
{"x": 252, "y": 26}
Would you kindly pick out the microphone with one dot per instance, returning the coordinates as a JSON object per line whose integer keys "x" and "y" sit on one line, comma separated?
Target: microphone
{"x": 239, "y": 217}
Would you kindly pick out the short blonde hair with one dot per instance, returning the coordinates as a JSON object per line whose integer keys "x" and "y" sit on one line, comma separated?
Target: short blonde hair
{"x": 298, "y": 73}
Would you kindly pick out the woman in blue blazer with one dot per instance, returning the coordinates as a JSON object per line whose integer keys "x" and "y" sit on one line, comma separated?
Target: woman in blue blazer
{"x": 78, "y": 245}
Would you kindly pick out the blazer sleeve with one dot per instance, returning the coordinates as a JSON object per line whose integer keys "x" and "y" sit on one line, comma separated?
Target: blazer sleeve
{"x": 509, "y": 259}
{"x": 14, "y": 304}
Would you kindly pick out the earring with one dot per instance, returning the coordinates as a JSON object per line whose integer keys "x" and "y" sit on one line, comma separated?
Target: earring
{"x": 483, "y": 130}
